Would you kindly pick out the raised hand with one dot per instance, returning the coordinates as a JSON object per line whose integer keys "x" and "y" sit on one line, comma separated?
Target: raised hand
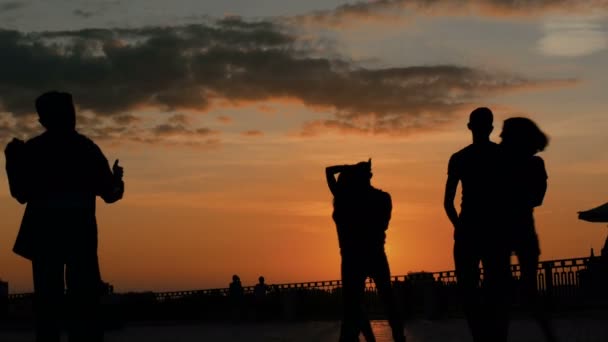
{"x": 117, "y": 170}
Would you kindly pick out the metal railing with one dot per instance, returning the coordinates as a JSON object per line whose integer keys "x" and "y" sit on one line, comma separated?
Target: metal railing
{"x": 561, "y": 273}
{"x": 569, "y": 283}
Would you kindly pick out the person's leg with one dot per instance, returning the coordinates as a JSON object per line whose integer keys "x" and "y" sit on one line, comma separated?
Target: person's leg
{"x": 497, "y": 281}
{"x": 48, "y": 298}
{"x": 366, "y": 326}
{"x": 382, "y": 277}
{"x": 528, "y": 260}
{"x": 466, "y": 261}
{"x": 84, "y": 289}
{"x": 353, "y": 287}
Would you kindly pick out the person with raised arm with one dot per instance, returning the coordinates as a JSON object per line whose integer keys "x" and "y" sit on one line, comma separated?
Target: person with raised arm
{"x": 362, "y": 214}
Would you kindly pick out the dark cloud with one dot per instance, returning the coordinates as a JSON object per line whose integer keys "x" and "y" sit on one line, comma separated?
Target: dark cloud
{"x": 224, "y": 119}
{"x": 83, "y": 13}
{"x": 252, "y": 133}
{"x": 168, "y": 129}
{"x": 179, "y": 126}
{"x": 12, "y": 6}
{"x": 21, "y": 128}
{"x": 181, "y": 119}
{"x": 126, "y": 119}
{"x": 169, "y": 133}
{"x": 350, "y": 13}
{"x": 195, "y": 67}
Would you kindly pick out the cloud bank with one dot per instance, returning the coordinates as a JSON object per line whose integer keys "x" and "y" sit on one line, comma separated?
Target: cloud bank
{"x": 113, "y": 73}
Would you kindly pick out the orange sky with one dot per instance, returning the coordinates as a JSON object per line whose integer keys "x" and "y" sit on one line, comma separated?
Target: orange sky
{"x": 191, "y": 218}
{"x": 224, "y": 169}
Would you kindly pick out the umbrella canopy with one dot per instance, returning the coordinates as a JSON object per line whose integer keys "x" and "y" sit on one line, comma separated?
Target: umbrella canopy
{"x": 599, "y": 214}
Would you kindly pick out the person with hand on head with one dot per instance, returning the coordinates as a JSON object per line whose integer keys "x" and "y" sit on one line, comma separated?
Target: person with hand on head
{"x": 58, "y": 175}
{"x": 362, "y": 214}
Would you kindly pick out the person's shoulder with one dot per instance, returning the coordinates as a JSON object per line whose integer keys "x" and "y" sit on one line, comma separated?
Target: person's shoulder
{"x": 381, "y": 194}
{"x": 86, "y": 142}
{"x": 537, "y": 161}
{"x": 464, "y": 152}
{"x": 37, "y": 140}
{"x": 458, "y": 157}
{"x": 84, "y": 139}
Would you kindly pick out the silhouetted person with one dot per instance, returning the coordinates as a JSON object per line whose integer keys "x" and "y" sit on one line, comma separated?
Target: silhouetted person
{"x": 259, "y": 295}
{"x": 525, "y": 180}
{"x": 362, "y": 213}
{"x": 59, "y": 174}
{"x": 476, "y": 168}
{"x": 236, "y": 288}
{"x": 260, "y": 289}
{"x": 236, "y": 293}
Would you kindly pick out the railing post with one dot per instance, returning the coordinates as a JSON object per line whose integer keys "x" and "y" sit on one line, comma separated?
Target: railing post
{"x": 547, "y": 266}
{"x": 3, "y": 298}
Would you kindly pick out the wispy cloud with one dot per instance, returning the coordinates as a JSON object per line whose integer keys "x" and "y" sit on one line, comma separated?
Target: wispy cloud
{"x": 573, "y": 36}
{"x": 12, "y": 6}
{"x": 224, "y": 119}
{"x": 252, "y": 133}
{"x": 83, "y": 13}
{"x": 392, "y": 9}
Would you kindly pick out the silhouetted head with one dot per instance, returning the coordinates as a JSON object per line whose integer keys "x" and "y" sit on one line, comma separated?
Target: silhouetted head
{"x": 261, "y": 279}
{"x": 355, "y": 177}
{"x": 523, "y": 135}
{"x": 480, "y": 123}
{"x": 362, "y": 173}
{"x": 235, "y": 278}
{"x": 56, "y": 111}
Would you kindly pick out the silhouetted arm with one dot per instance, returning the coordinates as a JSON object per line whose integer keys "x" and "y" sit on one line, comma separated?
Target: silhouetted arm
{"x": 448, "y": 199}
{"x": 387, "y": 209}
{"x": 330, "y": 172}
{"x": 451, "y": 185}
{"x": 110, "y": 184}
{"x": 16, "y": 170}
{"x": 539, "y": 182}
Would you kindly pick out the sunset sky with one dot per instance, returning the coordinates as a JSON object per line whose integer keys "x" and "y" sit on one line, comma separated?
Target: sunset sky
{"x": 225, "y": 114}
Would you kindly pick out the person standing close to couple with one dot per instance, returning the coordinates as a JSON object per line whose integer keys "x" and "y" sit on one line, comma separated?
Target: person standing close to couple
{"x": 362, "y": 214}
{"x": 524, "y": 189}
{"x": 59, "y": 174}
{"x": 501, "y": 184}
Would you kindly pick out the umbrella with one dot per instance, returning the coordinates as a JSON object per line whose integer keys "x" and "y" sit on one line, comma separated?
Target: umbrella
{"x": 599, "y": 214}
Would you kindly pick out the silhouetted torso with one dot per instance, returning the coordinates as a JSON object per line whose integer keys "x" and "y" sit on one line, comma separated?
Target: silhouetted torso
{"x": 236, "y": 290}
{"x": 260, "y": 290}
{"x": 476, "y": 166}
{"x": 63, "y": 175}
{"x": 362, "y": 219}
{"x": 525, "y": 183}
{"x": 524, "y": 186}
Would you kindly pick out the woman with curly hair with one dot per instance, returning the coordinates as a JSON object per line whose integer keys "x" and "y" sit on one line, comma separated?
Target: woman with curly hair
{"x": 525, "y": 184}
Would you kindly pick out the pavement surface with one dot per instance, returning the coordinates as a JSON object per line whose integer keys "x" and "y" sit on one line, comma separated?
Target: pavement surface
{"x": 448, "y": 330}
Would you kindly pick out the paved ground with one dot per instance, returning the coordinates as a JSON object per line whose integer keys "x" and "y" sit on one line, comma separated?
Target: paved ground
{"x": 569, "y": 330}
